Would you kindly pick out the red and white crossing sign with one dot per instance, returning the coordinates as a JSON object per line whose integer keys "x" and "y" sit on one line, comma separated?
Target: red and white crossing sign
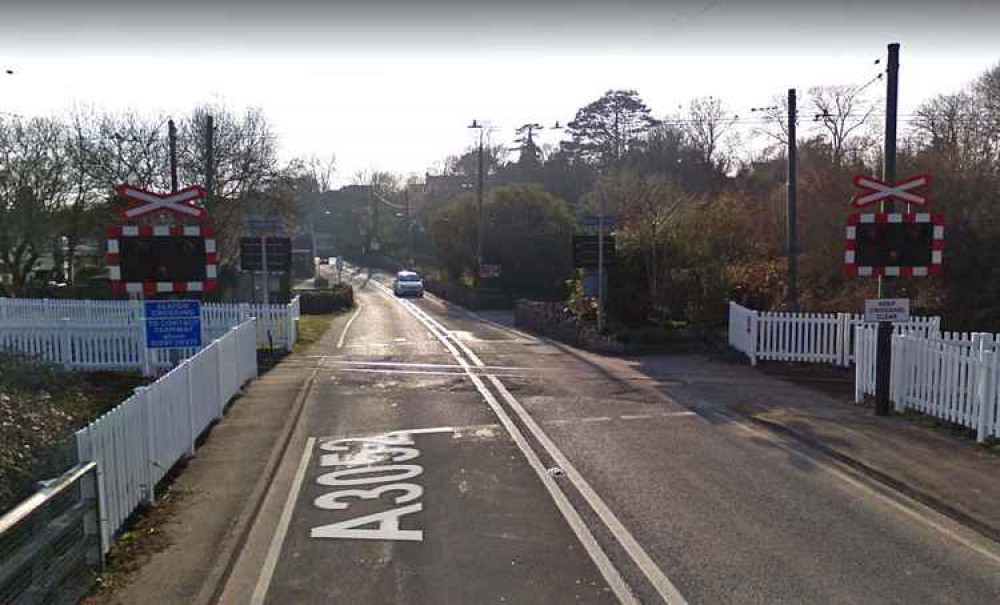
{"x": 874, "y": 191}
{"x": 146, "y": 202}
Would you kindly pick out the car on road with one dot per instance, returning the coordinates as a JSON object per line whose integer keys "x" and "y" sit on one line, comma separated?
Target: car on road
{"x": 408, "y": 283}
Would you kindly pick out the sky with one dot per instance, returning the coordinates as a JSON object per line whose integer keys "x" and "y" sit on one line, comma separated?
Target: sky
{"x": 390, "y": 85}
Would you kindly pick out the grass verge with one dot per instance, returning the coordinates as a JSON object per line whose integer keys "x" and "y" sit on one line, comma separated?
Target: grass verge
{"x": 313, "y": 327}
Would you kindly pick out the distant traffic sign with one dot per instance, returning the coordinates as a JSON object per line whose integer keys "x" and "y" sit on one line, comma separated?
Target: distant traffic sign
{"x": 594, "y": 220}
{"x": 173, "y": 324}
{"x": 258, "y": 224}
{"x": 586, "y": 251}
{"x": 874, "y": 191}
{"x": 279, "y": 254}
{"x": 887, "y": 309}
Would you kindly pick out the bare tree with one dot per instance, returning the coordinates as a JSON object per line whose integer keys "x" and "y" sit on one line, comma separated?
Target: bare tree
{"x": 707, "y": 125}
{"x": 839, "y": 112}
{"x": 647, "y": 205}
{"x": 774, "y": 125}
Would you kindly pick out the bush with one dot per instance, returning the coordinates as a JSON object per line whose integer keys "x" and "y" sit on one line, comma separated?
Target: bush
{"x": 324, "y": 302}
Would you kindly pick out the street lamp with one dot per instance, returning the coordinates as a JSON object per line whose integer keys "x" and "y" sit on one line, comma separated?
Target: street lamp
{"x": 479, "y": 204}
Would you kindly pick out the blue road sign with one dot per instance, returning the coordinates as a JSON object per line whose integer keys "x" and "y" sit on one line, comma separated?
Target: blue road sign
{"x": 592, "y": 220}
{"x": 173, "y": 324}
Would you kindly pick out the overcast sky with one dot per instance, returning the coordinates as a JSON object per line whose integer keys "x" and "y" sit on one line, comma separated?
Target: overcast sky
{"x": 392, "y": 85}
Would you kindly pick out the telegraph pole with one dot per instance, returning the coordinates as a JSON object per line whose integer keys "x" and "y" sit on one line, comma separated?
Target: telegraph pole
{"x": 883, "y": 354}
{"x": 793, "y": 244}
{"x": 889, "y": 162}
{"x": 172, "y": 136}
{"x": 409, "y": 226}
{"x": 479, "y": 203}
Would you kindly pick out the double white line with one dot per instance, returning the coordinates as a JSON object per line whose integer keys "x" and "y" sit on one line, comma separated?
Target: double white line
{"x": 663, "y": 586}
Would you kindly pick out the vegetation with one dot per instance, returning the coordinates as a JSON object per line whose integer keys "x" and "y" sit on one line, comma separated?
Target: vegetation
{"x": 56, "y": 177}
{"x": 323, "y": 302}
{"x": 41, "y": 405}
{"x": 701, "y": 197}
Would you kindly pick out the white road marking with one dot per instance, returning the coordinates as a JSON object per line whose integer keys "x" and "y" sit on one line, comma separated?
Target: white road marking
{"x": 343, "y": 334}
{"x": 664, "y": 587}
{"x": 389, "y": 371}
{"x": 572, "y": 516}
{"x": 418, "y": 365}
{"x": 421, "y": 431}
{"x": 635, "y": 416}
{"x": 271, "y": 560}
{"x": 596, "y": 419}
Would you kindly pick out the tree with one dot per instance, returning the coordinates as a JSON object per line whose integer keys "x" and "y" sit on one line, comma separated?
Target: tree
{"x": 33, "y": 173}
{"x": 839, "y": 112}
{"x": 529, "y": 234}
{"x": 604, "y": 131}
{"x": 647, "y": 204}
{"x": 707, "y": 126}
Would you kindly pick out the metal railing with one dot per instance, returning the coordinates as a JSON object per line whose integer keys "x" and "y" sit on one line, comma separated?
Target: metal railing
{"x": 50, "y": 544}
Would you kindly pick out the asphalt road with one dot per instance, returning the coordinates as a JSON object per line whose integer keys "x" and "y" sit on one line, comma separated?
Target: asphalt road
{"x": 444, "y": 459}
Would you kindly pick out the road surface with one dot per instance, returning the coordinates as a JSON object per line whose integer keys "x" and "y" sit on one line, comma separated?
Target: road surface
{"x": 441, "y": 459}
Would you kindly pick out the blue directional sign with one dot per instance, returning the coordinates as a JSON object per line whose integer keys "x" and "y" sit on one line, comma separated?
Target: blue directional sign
{"x": 173, "y": 324}
{"x": 592, "y": 220}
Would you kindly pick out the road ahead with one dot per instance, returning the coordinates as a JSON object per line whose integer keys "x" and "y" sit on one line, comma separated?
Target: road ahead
{"x": 442, "y": 459}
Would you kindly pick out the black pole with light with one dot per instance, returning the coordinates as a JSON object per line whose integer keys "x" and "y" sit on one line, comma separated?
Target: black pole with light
{"x": 883, "y": 353}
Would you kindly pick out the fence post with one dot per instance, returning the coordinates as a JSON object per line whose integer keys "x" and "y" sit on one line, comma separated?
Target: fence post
{"x": 984, "y": 364}
{"x": 897, "y": 390}
{"x": 150, "y": 443}
{"x": 65, "y": 349}
{"x": 752, "y": 325}
{"x": 85, "y": 453}
{"x": 218, "y": 380}
{"x": 188, "y": 365}
{"x": 90, "y": 490}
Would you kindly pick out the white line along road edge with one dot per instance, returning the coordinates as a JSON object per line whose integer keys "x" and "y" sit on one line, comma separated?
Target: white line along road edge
{"x": 271, "y": 560}
{"x": 343, "y": 335}
{"x": 666, "y": 589}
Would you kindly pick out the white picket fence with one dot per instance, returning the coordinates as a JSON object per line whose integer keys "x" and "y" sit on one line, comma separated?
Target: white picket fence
{"x": 804, "y": 337}
{"x": 107, "y": 335}
{"x": 137, "y": 442}
{"x": 951, "y": 376}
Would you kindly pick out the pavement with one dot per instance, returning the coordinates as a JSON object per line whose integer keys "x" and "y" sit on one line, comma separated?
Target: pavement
{"x": 442, "y": 456}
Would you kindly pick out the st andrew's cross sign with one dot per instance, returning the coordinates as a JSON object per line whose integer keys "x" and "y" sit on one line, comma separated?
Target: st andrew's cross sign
{"x": 152, "y": 259}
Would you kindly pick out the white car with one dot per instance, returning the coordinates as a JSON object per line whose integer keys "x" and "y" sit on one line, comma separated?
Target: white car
{"x": 408, "y": 283}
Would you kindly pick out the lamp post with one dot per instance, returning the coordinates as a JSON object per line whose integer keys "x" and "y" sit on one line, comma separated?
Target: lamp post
{"x": 479, "y": 205}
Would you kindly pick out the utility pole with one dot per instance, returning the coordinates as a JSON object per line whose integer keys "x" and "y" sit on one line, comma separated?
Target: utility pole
{"x": 793, "y": 244}
{"x": 172, "y": 136}
{"x": 409, "y": 226}
{"x": 479, "y": 203}
{"x": 209, "y": 157}
{"x": 883, "y": 354}
{"x": 375, "y": 216}
{"x": 600, "y": 263}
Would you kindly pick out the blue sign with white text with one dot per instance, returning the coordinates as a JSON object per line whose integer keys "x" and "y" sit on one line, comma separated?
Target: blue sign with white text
{"x": 173, "y": 324}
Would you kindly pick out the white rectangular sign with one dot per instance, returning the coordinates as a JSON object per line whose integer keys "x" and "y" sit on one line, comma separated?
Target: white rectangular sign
{"x": 887, "y": 309}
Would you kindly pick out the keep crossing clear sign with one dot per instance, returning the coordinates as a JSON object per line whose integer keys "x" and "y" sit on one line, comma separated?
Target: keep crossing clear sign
{"x": 173, "y": 324}
{"x": 887, "y": 309}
